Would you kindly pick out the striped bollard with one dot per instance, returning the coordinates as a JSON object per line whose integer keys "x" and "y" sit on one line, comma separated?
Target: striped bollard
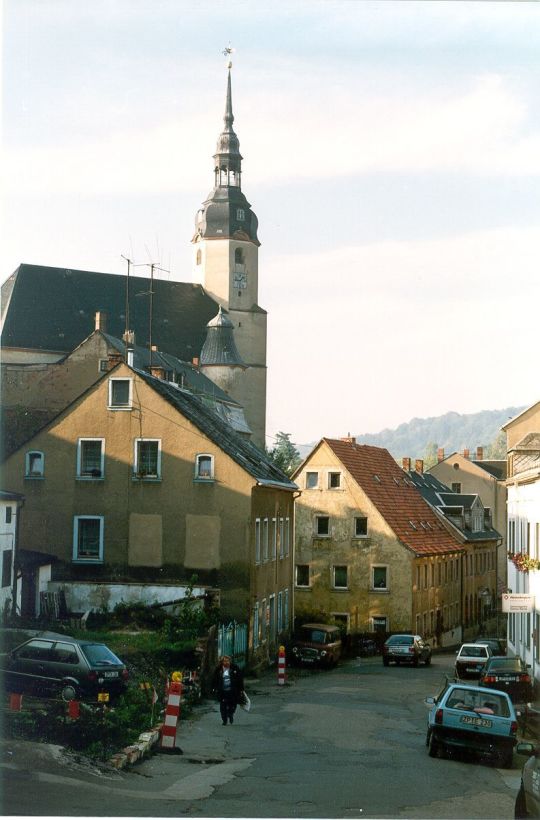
{"x": 172, "y": 714}
{"x": 15, "y": 702}
{"x": 281, "y": 666}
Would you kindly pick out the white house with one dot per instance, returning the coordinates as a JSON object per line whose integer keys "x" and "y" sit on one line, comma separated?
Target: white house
{"x": 10, "y": 505}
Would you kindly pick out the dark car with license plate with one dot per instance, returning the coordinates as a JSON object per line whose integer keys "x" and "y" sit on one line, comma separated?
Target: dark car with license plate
{"x": 64, "y": 667}
{"x": 317, "y": 645}
{"x": 471, "y": 659}
{"x": 472, "y": 719}
{"x": 406, "y": 649}
{"x": 509, "y": 674}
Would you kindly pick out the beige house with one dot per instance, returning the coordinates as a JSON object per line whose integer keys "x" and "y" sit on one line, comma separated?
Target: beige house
{"x": 141, "y": 479}
{"x": 470, "y": 472}
{"x": 370, "y": 551}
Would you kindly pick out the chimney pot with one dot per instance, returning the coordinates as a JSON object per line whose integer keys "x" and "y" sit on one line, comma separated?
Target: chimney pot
{"x": 349, "y": 439}
{"x": 101, "y": 320}
{"x": 129, "y": 337}
{"x": 406, "y": 464}
{"x": 466, "y": 453}
{"x": 195, "y": 361}
{"x": 440, "y": 454}
{"x": 419, "y": 465}
{"x": 158, "y": 372}
{"x": 479, "y": 453}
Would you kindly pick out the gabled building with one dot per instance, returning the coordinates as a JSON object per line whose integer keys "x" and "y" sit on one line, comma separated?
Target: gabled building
{"x": 470, "y": 473}
{"x": 470, "y": 522}
{"x": 139, "y": 478}
{"x": 523, "y": 486}
{"x": 47, "y": 312}
{"x": 370, "y": 551}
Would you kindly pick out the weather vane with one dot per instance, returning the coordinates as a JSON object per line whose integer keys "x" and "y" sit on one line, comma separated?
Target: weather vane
{"x": 227, "y": 51}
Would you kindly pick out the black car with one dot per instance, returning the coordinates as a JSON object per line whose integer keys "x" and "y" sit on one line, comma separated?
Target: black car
{"x": 497, "y": 645}
{"x": 63, "y": 666}
{"x": 508, "y": 675}
{"x": 406, "y": 649}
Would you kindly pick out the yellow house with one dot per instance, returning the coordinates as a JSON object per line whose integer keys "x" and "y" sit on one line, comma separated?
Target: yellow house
{"x": 370, "y": 551}
{"x": 140, "y": 478}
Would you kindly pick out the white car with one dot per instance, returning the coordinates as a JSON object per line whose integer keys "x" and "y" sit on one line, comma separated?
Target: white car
{"x": 470, "y": 660}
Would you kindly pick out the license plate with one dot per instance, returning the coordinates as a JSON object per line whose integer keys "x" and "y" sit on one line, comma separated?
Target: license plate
{"x": 505, "y": 679}
{"x": 476, "y": 721}
{"x": 110, "y": 674}
{"x": 473, "y": 668}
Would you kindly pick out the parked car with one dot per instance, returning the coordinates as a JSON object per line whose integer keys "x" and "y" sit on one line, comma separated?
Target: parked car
{"x": 472, "y": 719}
{"x": 497, "y": 645}
{"x": 64, "y": 666}
{"x": 406, "y": 649}
{"x": 528, "y": 796}
{"x": 317, "y": 644}
{"x": 510, "y": 675}
{"x": 470, "y": 659}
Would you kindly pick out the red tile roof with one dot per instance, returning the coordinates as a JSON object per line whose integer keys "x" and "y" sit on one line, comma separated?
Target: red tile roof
{"x": 395, "y": 496}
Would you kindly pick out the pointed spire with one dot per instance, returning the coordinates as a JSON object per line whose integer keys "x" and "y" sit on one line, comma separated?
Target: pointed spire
{"x": 228, "y": 118}
{"x": 220, "y": 347}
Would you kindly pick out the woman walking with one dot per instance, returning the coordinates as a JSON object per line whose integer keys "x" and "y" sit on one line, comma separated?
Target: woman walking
{"x": 229, "y": 686}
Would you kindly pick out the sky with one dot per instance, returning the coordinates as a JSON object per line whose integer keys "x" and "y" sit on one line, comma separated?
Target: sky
{"x": 391, "y": 153}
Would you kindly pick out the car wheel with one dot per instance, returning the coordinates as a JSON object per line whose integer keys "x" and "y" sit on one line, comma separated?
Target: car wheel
{"x": 434, "y": 747}
{"x": 69, "y": 691}
{"x": 428, "y": 660}
{"x": 386, "y": 662}
{"x": 415, "y": 661}
{"x": 520, "y": 809}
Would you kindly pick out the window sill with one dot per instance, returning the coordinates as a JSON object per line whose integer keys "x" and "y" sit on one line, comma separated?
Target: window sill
{"x": 147, "y": 479}
{"x": 361, "y": 537}
{"x": 322, "y": 537}
{"x": 90, "y": 478}
{"x": 204, "y": 480}
{"x": 306, "y": 589}
{"x": 384, "y": 591}
{"x": 87, "y": 561}
{"x": 34, "y": 477}
{"x": 340, "y": 589}
{"x": 116, "y": 407}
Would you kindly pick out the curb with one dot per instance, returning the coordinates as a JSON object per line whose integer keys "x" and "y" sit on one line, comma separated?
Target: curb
{"x": 131, "y": 754}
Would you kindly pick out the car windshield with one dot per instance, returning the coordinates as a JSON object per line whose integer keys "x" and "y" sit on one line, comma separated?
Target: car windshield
{"x": 473, "y": 652}
{"x": 98, "y": 654}
{"x": 506, "y": 665}
{"x": 400, "y": 640}
{"x": 478, "y": 701}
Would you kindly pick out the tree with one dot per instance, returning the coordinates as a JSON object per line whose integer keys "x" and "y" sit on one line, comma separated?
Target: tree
{"x": 284, "y": 453}
{"x": 497, "y": 448}
{"x": 430, "y": 455}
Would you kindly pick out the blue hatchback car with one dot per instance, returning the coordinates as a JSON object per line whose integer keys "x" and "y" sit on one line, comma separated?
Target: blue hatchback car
{"x": 472, "y": 718}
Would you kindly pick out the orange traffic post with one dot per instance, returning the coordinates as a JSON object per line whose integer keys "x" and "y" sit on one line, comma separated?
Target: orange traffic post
{"x": 172, "y": 714}
{"x": 281, "y": 666}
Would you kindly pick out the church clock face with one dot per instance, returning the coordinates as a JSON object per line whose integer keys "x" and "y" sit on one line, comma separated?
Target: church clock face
{"x": 240, "y": 279}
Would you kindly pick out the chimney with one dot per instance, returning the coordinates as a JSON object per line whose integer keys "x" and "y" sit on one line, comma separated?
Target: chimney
{"x": 466, "y": 453}
{"x": 419, "y": 465}
{"x": 349, "y": 439}
{"x": 195, "y": 361}
{"x": 479, "y": 453}
{"x": 440, "y": 454}
{"x": 129, "y": 339}
{"x": 154, "y": 348}
{"x": 406, "y": 464}
{"x": 157, "y": 371}
{"x": 101, "y": 321}
{"x": 113, "y": 359}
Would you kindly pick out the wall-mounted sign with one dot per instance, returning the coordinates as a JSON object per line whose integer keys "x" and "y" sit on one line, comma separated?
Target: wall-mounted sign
{"x": 515, "y": 602}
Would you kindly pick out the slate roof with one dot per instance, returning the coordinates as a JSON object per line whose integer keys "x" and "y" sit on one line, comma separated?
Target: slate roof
{"x": 393, "y": 493}
{"x": 181, "y": 310}
{"x": 6, "y": 495}
{"x": 497, "y": 467}
{"x": 244, "y": 452}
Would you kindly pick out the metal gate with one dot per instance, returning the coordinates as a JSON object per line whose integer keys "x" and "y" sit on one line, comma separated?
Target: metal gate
{"x": 232, "y": 640}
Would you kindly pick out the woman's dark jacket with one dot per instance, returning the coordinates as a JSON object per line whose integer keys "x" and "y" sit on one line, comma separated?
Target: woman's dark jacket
{"x": 237, "y": 682}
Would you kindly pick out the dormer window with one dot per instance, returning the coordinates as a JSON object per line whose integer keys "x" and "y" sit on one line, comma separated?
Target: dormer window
{"x": 204, "y": 467}
{"x": 35, "y": 464}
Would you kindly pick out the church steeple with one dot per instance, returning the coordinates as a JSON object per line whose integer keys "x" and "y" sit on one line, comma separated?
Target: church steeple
{"x": 228, "y": 159}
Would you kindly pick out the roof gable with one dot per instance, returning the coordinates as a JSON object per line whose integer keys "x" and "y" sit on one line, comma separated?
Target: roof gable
{"x": 394, "y": 494}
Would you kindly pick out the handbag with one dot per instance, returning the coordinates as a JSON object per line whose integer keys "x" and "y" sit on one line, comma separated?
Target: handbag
{"x": 245, "y": 703}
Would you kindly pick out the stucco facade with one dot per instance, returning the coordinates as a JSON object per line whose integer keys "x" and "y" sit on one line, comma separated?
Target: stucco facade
{"x": 162, "y": 521}
{"x": 360, "y": 572}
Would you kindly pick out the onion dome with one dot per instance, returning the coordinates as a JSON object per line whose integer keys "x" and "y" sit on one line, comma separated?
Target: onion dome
{"x": 220, "y": 347}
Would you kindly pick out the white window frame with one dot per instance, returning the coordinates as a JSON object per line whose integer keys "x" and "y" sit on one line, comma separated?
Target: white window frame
{"x": 257, "y": 540}
{"x": 302, "y": 586}
{"x": 34, "y": 475}
{"x": 273, "y": 553}
{"x": 198, "y": 476}
{"x": 339, "y": 566}
{"x": 373, "y": 587}
{"x": 75, "y": 556}
{"x": 86, "y": 476}
{"x": 265, "y": 538}
{"x": 287, "y": 546}
{"x": 127, "y": 406}
{"x": 362, "y": 518}
{"x": 136, "y": 475}
{"x": 317, "y": 533}
{"x": 316, "y": 474}
{"x": 329, "y": 476}
{"x": 281, "y": 537}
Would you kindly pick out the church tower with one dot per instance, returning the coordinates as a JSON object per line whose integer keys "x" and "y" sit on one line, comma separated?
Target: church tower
{"x": 225, "y": 258}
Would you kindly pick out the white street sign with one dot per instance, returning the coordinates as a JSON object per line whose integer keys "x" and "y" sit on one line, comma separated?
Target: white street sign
{"x": 513, "y": 602}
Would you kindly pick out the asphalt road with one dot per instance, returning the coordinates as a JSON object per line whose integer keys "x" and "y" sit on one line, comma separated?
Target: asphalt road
{"x": 347, "y": 743}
